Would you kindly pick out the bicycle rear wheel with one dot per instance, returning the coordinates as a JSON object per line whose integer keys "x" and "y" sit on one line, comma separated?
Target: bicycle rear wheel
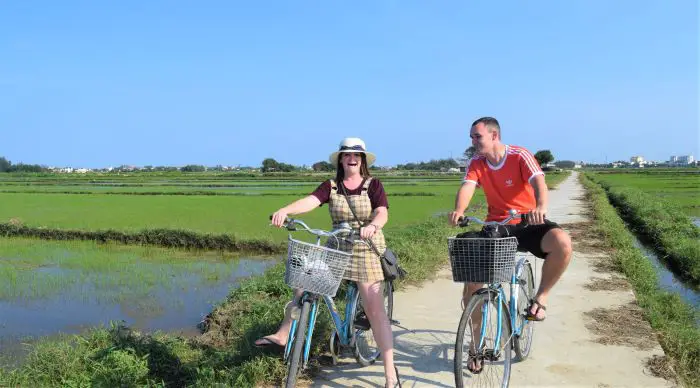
{"x": 296, "y": 357}
{"x": 522, "y": 343}
{"x": 480, "y": 317}
{"x": 366, "y": 349}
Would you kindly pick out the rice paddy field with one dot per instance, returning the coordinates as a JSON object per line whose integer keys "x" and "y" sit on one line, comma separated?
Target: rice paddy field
{"x": 52, "y": 288}
{"x": 663, "y": 208}
{"x": 680, "y": 187}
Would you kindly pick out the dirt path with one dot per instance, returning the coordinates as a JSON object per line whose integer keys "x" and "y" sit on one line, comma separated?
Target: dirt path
{"x": 594, "y": 335}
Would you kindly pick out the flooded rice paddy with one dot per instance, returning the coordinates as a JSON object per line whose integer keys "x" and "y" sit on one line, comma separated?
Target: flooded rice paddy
{"x": 52, "y": 288}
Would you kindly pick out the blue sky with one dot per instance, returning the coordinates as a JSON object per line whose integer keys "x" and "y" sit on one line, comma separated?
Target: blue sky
{"x": 92, "y": 83}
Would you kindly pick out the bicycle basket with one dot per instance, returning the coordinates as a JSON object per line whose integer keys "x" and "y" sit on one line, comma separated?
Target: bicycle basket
{"x": 482, "y": 260}
{"x": 315, "y": 268}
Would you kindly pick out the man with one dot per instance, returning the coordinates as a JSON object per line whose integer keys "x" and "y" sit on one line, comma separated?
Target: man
{"x": 512, "y": 179}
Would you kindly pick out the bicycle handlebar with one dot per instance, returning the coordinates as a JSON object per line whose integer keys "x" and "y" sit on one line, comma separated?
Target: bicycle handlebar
{"x": 291, "y": 223}
{"x": 513, "y": 214}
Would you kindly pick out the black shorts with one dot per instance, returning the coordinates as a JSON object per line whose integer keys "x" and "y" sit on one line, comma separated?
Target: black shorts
{"x": 530, "y": 236}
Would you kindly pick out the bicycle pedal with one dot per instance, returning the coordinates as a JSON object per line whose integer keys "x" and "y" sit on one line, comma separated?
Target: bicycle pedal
{"x": 490, "y": 355}
{"x": 361, "y": 322}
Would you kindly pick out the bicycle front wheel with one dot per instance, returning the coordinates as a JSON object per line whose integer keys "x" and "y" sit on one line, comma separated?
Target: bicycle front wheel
{"x": 479, "y": 359}
{"x": 522, "y": 341}
{"x": 297, "y": 355}
{"x": 366, "y": 349}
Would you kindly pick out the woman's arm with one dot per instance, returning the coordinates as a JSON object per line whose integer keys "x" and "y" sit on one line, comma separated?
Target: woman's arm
{"x": 300, "y": 206}
{"x": 381, "y": 216}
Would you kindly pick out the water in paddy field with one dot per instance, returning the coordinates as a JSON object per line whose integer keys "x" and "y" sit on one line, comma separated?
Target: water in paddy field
{"x": 668, "y": 280}
{"x": 163, "y": 298}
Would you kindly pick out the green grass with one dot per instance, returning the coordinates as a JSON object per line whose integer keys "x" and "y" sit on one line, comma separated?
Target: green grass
{"x": 243, "y": 217}
{"x": 680, "y": 187}
{"x": 661, "y": 221}
{"x": 674, "y": 321}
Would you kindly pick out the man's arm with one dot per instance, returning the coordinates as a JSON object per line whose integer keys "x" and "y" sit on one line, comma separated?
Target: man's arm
{"x": 464, "y": 196}
{"x": 537, "y": 215}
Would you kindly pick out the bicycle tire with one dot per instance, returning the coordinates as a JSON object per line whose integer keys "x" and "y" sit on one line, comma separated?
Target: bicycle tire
{"x": 368, "y": 358}
{"x": 295, "y": 359}
{"x": 522, "y": 344}
{"x": 475, "y": 302}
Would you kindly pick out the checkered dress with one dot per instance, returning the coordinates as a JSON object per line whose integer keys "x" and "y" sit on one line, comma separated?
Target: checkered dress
{"x": 364, "y": 265}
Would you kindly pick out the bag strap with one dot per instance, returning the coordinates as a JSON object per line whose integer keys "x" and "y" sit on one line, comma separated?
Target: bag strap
{"x": 369, "y": 240}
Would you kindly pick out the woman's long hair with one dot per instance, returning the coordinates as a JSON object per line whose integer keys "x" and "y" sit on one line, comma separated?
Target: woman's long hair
{"x": 340, "y": 171}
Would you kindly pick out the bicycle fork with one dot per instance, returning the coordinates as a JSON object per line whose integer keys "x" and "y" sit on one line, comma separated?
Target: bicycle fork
{"x": 343, "y": 328}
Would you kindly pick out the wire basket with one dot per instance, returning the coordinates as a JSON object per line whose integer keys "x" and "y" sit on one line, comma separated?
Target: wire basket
{"x": 482, "y": 260}
{"x": 315, "y": 268}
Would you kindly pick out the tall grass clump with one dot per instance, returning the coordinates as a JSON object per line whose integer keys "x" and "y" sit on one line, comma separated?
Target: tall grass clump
{"x": 666, "y": 226}
{"x": 171, "y": 238}
{"x": 673, "y": 320}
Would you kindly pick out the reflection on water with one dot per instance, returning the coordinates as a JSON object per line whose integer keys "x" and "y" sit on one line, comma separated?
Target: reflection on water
{"x": 175, "y": 301}
{"x": 669, "y": 281}
{"x": 696, "y": 221}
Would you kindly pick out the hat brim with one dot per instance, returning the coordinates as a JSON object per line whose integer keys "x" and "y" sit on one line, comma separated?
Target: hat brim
{"x": 369, "y": 156}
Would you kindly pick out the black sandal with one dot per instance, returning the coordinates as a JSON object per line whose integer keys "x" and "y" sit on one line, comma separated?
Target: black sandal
{"x": 533, "y": 317}
{"x": 475, "y": 360}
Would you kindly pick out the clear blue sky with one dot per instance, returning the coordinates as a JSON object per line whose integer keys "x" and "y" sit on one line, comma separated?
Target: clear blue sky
{"x": 96, "y": 83}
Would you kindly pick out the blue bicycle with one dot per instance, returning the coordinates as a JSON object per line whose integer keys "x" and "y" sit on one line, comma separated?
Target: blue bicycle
{"x": 318, "y": 270}
{"x": 491, "y": 328}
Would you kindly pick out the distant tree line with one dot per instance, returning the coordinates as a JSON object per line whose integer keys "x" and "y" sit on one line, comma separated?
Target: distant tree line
{"x": 433, "y": 165}
{"x": 7, "y": 166}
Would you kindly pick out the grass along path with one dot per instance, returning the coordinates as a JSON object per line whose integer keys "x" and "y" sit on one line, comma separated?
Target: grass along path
{"x": 674, "y": 321}
{"x": 664, "y": 224}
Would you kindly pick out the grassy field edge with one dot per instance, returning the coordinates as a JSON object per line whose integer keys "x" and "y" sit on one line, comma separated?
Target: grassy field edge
{"x": 672, "y": 319}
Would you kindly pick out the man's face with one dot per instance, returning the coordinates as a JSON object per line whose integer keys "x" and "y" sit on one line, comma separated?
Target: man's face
{"x": 482, "y": 139}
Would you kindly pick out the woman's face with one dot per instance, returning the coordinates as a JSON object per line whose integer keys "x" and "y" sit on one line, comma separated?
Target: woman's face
{"x": 351, "y": 162}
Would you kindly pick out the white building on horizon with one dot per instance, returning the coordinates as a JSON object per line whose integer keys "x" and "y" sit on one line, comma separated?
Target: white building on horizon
{"x": 681, "y": 160}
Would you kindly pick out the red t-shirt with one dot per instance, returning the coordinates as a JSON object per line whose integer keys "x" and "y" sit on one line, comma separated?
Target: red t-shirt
{"x": 377, "y": 195}
{"x": 506, "y": 186}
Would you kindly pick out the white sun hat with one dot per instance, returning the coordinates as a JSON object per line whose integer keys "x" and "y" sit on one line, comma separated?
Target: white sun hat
{"x": 352, "y": 145}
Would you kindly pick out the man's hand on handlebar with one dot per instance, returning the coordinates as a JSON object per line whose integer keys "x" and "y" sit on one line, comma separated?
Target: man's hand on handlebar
{"x": 454, "y": 218}
{"x": 536, "y": 216}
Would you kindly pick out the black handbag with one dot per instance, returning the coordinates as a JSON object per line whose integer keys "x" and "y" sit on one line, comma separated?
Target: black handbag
{"x": 389, "y": 261}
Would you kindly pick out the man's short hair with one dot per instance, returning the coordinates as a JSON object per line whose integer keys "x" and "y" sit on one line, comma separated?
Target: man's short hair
{"x": 490, "y": 123}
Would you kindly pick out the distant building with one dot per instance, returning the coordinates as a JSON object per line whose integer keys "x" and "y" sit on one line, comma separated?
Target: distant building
{"x": 637, "y": 160}
{"x": 681, "y": 160}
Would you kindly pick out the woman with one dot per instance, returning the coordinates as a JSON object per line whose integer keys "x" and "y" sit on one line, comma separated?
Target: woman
{"x": 368, "y": 199}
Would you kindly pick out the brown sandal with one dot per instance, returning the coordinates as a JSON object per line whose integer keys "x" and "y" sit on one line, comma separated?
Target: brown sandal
{"x": 533, "y": 317}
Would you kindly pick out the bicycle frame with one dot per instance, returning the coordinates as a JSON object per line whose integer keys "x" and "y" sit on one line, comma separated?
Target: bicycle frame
{"x": 500, "y": 298}
{"x": 342, "y": 326}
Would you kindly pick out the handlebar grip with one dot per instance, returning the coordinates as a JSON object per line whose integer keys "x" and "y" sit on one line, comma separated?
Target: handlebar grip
{"x": 287, "y": 221}
{"x": 462, "y": 221}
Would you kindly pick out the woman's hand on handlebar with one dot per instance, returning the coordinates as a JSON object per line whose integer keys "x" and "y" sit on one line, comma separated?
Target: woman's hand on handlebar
{"x": 368, "y": 231}
{"x": 279, "y": 218}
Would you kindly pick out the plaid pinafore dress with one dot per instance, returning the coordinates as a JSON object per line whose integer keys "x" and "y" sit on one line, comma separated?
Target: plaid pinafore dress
{"x": 364, "y": 265}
